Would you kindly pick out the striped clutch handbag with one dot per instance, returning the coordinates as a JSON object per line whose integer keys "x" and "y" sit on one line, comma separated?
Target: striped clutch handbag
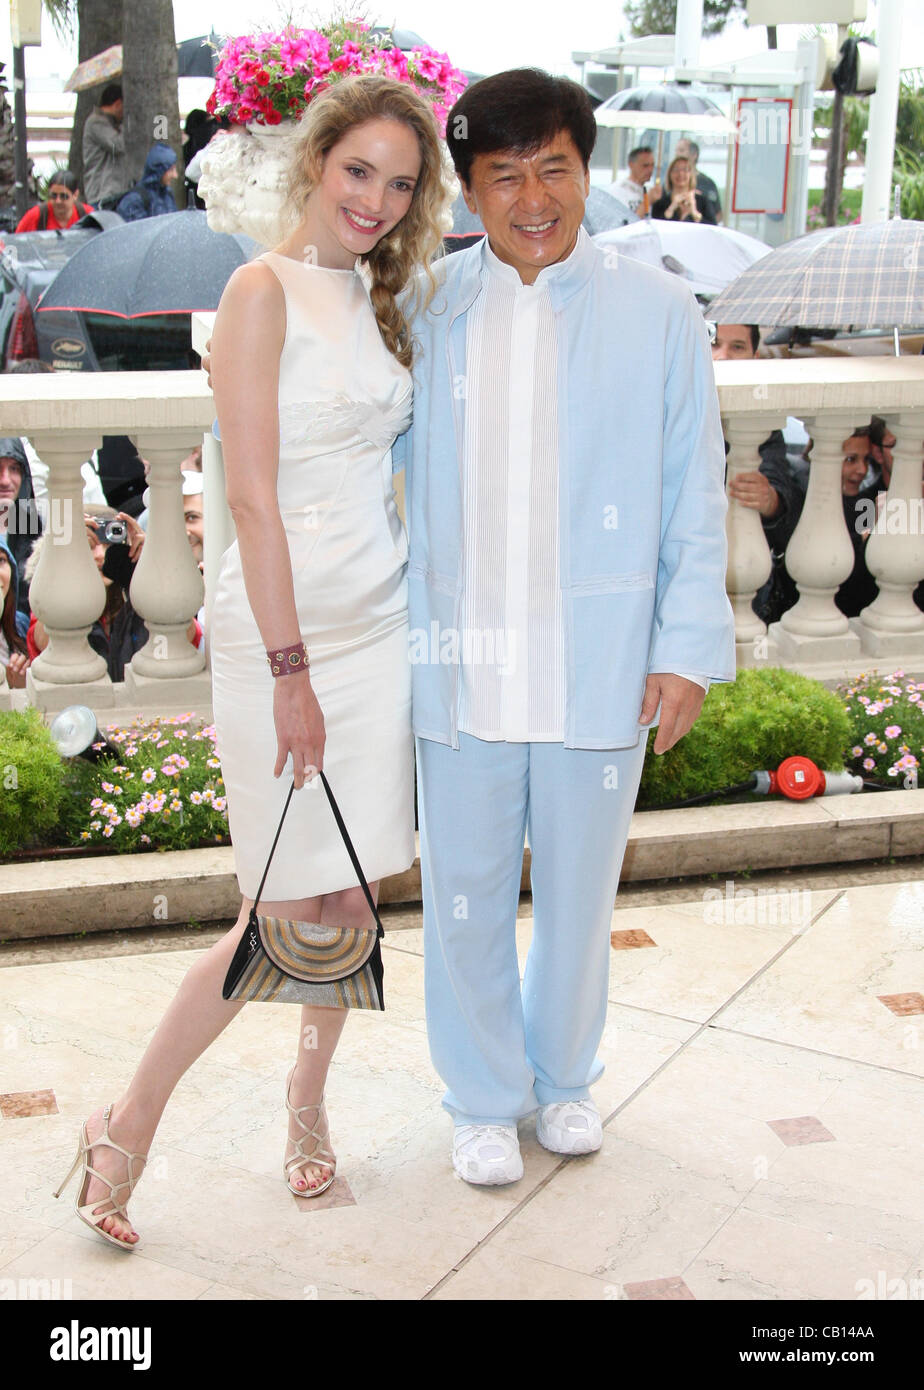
{"x": 286, "y": 962}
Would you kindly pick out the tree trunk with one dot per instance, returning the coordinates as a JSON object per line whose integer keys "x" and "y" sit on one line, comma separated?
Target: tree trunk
{"x": 149, "y": 82}
{"x": 99, "y": 27}
{"x": 834, "y": 168}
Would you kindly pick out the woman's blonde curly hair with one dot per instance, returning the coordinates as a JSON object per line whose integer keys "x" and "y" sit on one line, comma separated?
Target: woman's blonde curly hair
{"x": 418, "y": 237}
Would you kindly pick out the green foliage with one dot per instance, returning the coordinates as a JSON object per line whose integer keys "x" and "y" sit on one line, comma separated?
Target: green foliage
{"x": 660, "y": 16}
{"x": 856, "y": 121}
{"x": 909, "y": 120}
{"x": 908, "y": 175}
{"x": 886, "y": 726}
{"x": 754, "y": 722}
{"x": 849, "y": 210}
{"x": 31, "y": 780}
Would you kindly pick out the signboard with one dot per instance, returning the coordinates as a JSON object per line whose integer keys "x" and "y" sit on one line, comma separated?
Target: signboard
{"x": 26, "y": 22}
{"x": 761, "y": 171}
{"x": 805, "y": 11}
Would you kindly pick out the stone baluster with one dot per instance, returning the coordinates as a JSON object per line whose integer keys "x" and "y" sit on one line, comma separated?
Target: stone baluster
{"x": 749, "y": 560}
{"x": 67, "y": 593}
{"x": 166, "y": 588}
{"x": 820, "y": 555}
{"x": 893, "y": 625}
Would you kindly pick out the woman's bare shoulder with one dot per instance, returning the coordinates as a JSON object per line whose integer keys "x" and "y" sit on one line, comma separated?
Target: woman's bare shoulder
{"x": 253, "y": 285}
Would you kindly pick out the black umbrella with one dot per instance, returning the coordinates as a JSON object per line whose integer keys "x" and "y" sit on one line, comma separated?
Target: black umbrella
{"x": 196, "y": 58}
{"x": 171, "y": 264}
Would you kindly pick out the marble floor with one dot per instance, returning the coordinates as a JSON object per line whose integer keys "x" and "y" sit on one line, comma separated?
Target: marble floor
{"x": 764, "y": 1053}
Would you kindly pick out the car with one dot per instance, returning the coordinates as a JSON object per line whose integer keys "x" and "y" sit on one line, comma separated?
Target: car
{"x": 72, "y": 339}
{"x": 29, "y": 261}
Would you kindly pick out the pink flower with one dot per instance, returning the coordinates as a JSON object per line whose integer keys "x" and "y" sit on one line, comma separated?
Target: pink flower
{"x": 395, "y": 64}
{"x": 869, "y": 764}
{"x": 892, "y": 731}
{"x": 428, "y": 63}
{"x": 293, "y": 53}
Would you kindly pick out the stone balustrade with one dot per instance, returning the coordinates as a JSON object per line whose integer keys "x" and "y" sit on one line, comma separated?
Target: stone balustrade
{"x": 65, "y": 417}
{"x": 168, "y": 413}
{"x": 832, "y": 397}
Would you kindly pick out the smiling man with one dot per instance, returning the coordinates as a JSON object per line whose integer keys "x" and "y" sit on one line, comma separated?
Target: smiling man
{"x": 565, "y": 508}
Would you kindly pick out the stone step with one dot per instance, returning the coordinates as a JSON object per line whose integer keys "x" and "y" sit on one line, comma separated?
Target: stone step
{"x": 121, "y": 891}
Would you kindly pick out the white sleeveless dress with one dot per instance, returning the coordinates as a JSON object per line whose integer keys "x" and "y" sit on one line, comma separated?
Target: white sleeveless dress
{"x": 342, "y": 399}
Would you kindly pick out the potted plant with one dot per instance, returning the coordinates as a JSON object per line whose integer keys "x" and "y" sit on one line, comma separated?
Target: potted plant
{"x": 264, "y": 83}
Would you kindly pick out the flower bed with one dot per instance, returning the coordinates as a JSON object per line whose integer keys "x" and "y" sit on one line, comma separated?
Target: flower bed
{"x": 886, "y": 726}
{"x": 164, "y": 789}
{"x": 165, "y": 792}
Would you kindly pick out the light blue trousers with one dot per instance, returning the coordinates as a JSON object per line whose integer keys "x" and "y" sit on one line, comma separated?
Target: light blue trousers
{"x": 502, "y": 1050}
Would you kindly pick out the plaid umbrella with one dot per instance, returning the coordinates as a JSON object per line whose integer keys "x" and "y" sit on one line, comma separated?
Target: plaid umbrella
{"x": 867, "y": 275}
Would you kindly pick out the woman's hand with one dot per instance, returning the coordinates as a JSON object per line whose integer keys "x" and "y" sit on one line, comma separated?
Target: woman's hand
{"x": 16, "y": 671}
{"x": 299, "y": 726}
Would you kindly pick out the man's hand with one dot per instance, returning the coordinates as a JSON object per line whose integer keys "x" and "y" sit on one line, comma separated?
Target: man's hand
{"x": 752, "y": 489}
{"x": 681, "y": 701}
{"x": 135, "y": 536}
{"x": 206, "y": 363}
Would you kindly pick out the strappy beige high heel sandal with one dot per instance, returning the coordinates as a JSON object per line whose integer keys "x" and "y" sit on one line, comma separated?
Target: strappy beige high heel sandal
{"x": 85, "y": 1210}
{"x": 319, "y": 1154}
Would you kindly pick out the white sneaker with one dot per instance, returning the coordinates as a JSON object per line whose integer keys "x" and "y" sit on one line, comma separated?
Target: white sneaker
{"x": 570, "y": 1127}
{"x": 487, "y": 1153}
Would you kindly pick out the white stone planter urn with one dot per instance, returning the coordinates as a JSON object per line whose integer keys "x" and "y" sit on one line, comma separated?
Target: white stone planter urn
{"x": 243, "y": 180}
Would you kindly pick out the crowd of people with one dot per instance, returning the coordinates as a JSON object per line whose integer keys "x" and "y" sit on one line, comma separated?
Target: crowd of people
{"x": 777, "y": 489}
{"x": 686, "y": 195}
{"x": 107, "y": 176}
{"x": 119, "y": 630}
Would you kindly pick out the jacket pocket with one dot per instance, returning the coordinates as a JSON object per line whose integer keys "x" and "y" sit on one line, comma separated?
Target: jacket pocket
{"x": 610, "y": 584}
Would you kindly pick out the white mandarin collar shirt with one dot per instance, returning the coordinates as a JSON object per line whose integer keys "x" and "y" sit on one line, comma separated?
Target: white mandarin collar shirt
{"x": 512, "y": 645}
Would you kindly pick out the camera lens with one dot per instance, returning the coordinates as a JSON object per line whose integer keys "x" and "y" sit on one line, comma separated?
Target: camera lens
{"x": 116, "y": 532}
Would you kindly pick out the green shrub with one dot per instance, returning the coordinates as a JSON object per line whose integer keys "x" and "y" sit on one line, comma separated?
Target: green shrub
{"x": 31, "y": 780}
{"x": 754, "y": 722}
{"x": 886, "y": 726}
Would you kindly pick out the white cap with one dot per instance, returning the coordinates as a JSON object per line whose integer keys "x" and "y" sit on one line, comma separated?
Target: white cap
{"x": 192, "y": 482}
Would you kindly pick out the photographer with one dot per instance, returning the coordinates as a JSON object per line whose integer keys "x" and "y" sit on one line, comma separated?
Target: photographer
{"x": 119, "y": 631}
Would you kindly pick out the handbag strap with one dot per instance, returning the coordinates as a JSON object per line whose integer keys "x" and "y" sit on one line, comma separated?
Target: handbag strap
{"x": 349, "y": 849}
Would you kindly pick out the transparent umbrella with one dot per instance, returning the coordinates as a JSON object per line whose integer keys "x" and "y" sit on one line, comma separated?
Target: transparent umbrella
{"x": 663, "y": 106}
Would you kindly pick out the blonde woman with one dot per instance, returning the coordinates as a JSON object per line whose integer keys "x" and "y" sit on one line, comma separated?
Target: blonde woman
{"x": 682, "y": 202}
{"x": 310, "y": 360}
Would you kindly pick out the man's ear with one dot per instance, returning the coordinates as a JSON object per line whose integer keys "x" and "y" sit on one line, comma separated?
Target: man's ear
{"x": 587, "y": 182}
{"x": 468, "y": 196}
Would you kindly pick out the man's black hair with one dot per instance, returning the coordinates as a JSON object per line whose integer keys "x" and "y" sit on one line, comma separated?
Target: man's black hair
{"x": 754, "y": 331}
{"x": 110, "y": 94}
{"x": 639, "y": 149}
{"x": 519, "y": 110}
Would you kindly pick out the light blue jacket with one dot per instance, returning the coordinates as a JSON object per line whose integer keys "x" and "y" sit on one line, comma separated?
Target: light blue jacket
{"x": 641, "y": 493}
